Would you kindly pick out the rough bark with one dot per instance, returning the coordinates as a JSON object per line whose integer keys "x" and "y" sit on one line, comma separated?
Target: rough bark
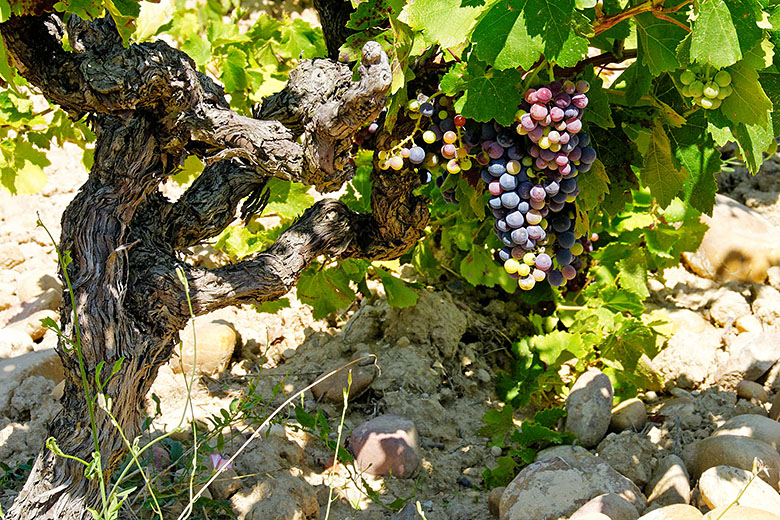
{"x": 150, "y": 108}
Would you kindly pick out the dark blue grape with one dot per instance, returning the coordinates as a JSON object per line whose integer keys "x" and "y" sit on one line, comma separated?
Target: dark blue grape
{"x": 564, "y": 257}
{"x": 498, "y": 212}
{"x": 427, "y": 109}
{"x": 583, "y": 139}
{"x": 447, "y": 125}
{"x": 555, "y": 278}
{"x": 535, "y": 232}
{"x": 488, "y": 132}
{"x": 555, "y": 206}
{"x": 501, "y": 225}
{"x": 514, "y": 152}
{"x": 504, "y": 254}
{"x": 584, "y": 167}
{"x": 552, "y": 188}
{"x": 566, "y": 240}
{"x": 497, "y": 168}
{"x": 523, "y": 207}
{"x": 425, "y": 176}
{"x": 529, "y": 245}
{"x": 506, "y": 238}
{"x": 568, "y": 185}
{"x": 494, "y": 202}
{"x": 486, "y": 177}
{"x": 505, "y": 139}
{"x": 561, "y": 223}
{"x": 524, "y": 190}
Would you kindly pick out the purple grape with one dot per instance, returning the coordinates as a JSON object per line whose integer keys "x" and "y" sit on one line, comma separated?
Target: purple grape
{"x": 537, "y": 193}
{"x": 583, "y": 139}
{"x": 495, "y": 150}
{"x": 535, "y": 232}
{"x": 571, "y": 113}
{"x": 427, "y": 109}
{"x": 523, "y": 207}
{"x": 579, "y": 100}
{"x": 568, "y": 185}
{"x": 552, "y": 188}
{"x": 514, "y": 153}
{"x": 518, "y": 252}
{"x": 505, "y": 139}
{"x": 416, "y": 155}
{"x": 498, "y": 213}
{"x": 520, "y": 236}
{"x": 504, "y": 254}
{"x": 555, "y": 206}
{"x": 524, "y": 190}
{"x": 575, "y": 154}
{"x": 488, "y": 131}
{"x": 569, "y": 272}
{"x": 486, "y": 177}
{"x": 562, "y": 100}
{"x": 494, "y": 202}
{"x": 584, "y": 167}
{"x": 560, "y": 197}
{"x": 496, "y": 168}
{"x": 447, "y": 125}
{"x": 537, "y": 204}
{"x": 543, "y": 261}
{"x": 547, "y": 155}
{"x": 501, "y": 225}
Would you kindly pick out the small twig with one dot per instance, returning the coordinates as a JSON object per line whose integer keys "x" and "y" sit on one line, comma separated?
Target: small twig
{"x": 604, "y": 24}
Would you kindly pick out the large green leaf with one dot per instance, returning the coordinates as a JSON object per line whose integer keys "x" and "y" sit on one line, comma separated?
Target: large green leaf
{"x": 598, "y": 111}
{"x": 747, "y": 103}
{"x": 714, "y": 38}
{"x": 697, "y": 154}
{"x": 594, "y": 185}
{"x": 658, "y": 41}
{"x": 446, "y": 22}
{"x": 399, "y": 293}
{"x": 552, "y": 20}
{"x": 326, "y": 290}
{"x": 490, "y": 94}
{"x": 659, "y": 172}
{"x": 501, "y": 38}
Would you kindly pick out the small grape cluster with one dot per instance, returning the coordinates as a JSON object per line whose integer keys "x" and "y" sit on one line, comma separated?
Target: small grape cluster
{"x": 530, "y": 169}
{"x": 707, "y": 89}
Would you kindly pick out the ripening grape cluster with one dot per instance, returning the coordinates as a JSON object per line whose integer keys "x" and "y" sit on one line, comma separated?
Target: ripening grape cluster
{"x": 708, "y": 90}
{"x": 530, "y": 169}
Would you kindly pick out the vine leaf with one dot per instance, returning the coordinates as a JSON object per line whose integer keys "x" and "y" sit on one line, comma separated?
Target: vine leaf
{"x": 399, "y": 293}
{"x": 326, "y": 290}
{"x": 714, "y": 39}
{"x": 594, "y": 185}
{"x": 551, "y": 19}
{"x": 501, "y": 38}
{"x": 697, "y": 154}
{"x": 658, "y": 40}
{"x": 490, "y": 94}
{"x": 748, "y": 103}
{"x": 441, "y": 21}
{"x": 659, "y": 172}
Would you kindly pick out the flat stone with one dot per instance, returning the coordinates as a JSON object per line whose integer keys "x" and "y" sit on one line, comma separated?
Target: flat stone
{"x": 386, "y": 445}
{"x": 740, "y": 513}
{"x": 32, "y": 284}
{"x": 722, "y": 485}
{"x": 566, "y": 452}
{"x": 751, "y": 354}
{"x": 670, "y": 483}
{"x": 32, "y": 326}
{"x": 740, "y": 245}
{"x": 752, "y": 390}
{"x": 753, "y": 426}
{"x": 686, "y": 367}
{"x": 589, "y": 407}
{"x": 213, "y": 346}
{"x": 610, "y": 505}
{"x": 13, "y": 371}
{"x": 556, "y": 488}
{"x": 728, "y": 307}
{"x": 731, "y": 450}
{"x": 331, "y": 388}
{"x": 674, "y": 512}
{"x": 629, "y": 414}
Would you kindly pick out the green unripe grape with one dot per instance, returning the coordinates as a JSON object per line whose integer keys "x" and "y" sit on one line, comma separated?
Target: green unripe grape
{"x": 706, "y": 103}
{"x": 695, "y": 68}
{"x": 715, "y": 103}
{"x": 725, "y": 92}
{"x": 723, "y": 78}
{"x": 443, "y": 114}
{"x": 687, "y": 77}
{"x": 711, "y": 90}
{"x": 429, "y": 137}
{"x": 696, "y": 88}
{"x": 413, "y": 105}
{"x": 466, "y": 163}
{"x": 686, "y": 91}
{"x": 772, "y": 148}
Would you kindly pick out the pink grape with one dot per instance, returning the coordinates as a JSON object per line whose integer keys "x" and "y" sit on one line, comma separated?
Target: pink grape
{"x": 538, "y": 111}
{"x": 574, "y": 126}
{"x": 579, "y": 100}
{"x": 530, "y": 95}
{"x": 495, "y": 188}
{"x": 543, "y": 95}
{"x": 556, "y": 114}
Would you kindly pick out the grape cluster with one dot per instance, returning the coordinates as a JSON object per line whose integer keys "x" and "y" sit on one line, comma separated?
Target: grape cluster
{"x": 530, "y": 169}
{"x": 707, "y": 89}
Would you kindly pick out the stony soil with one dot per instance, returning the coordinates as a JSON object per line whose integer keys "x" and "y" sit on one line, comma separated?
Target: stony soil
{"x": 435, "y": 364}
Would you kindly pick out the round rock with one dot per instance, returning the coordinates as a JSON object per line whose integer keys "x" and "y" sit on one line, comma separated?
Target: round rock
{"x": 331, "y": 389}
{"x": 752, "y": 390}
{"x": 670, "y": 483}
{"x": 630, "y": 414}
{"x": 494, "y": 500}
{"x": 211, "y": 349}
{"x": 386, "y": 445}
{"x": 721, "y": 485}
{"x": 556, "y": 488}
{"x": 609, "y": 505}
{"x": 674, "y": 512}
{"x": 753, "y": 426}
{"x": 731, "y": 450}
{"x": 589, "y": 407}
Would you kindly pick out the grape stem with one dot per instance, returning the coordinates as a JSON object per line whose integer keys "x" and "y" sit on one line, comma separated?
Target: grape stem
{"x": 654, "y": 6}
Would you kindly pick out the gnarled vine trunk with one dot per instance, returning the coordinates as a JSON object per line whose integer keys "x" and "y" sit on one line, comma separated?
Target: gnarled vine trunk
{"x": 150, "y": 108}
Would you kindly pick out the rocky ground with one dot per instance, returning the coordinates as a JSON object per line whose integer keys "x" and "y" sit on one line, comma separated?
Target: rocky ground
{"x": 681, "y": 450}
